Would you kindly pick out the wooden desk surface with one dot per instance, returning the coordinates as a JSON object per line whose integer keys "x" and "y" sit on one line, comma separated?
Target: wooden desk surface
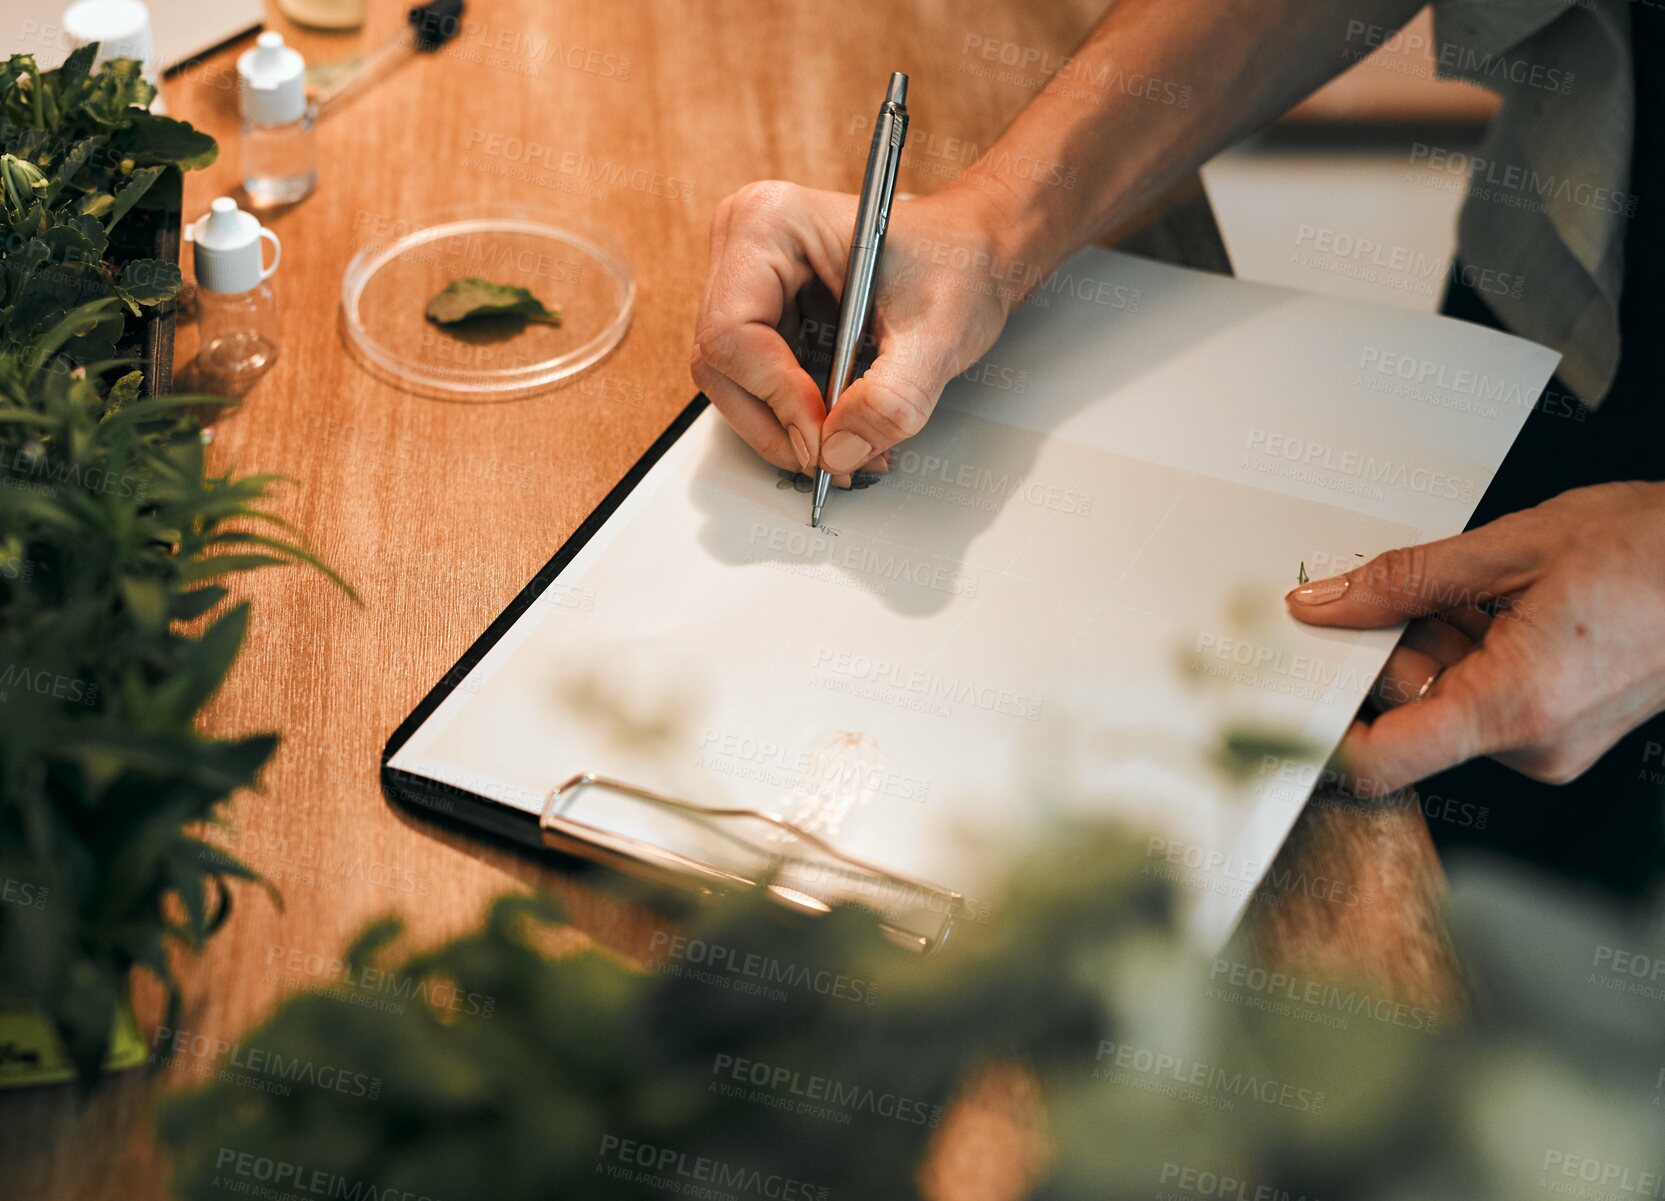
{"x": 438, "y": 512}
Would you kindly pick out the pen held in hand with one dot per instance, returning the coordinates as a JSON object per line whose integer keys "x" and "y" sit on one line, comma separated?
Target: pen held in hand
{"x": 878, "y": 187}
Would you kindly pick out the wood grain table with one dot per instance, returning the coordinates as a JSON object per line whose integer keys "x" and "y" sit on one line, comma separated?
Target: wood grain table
{"x": 438, "y": 512}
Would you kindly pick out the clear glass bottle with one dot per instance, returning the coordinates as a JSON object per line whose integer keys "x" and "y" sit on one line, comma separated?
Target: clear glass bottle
{"x": 280, "y": 159}
{"x": 280, "y": 163}
{"x": 239, "y": 338}
{"x": 236, "y": 302}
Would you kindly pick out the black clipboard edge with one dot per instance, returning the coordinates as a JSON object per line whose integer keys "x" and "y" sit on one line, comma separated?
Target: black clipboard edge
{"x": 449, "y": 802}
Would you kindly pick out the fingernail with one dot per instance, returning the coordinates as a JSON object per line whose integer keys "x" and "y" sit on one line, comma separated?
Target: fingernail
{"x": 1322, "y": 592}
{"x": 844, "y": 452}
{"x": 801, "y": 449}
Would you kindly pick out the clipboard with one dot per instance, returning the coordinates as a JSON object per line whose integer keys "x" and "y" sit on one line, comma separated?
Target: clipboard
{"x": 698, "y": 849}
{"x": 1200, "y": 435}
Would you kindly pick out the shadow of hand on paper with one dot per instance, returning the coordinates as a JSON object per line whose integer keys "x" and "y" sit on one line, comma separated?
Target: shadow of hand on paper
{"x": 898, "y": 540}
{"x": 964, "y": 495}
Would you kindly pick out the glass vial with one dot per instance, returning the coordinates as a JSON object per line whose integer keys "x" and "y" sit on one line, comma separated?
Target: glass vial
{"x": 236, "y": 303}
{"x": 280, "y": 160}
{"x": 239, "y": 338}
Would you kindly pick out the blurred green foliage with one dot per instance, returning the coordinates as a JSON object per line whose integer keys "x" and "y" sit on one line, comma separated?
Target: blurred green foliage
{"x": 763, "y": 1054}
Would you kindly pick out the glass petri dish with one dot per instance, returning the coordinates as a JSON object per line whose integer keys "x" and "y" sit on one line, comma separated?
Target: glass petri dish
{"x": 566, "y": 263}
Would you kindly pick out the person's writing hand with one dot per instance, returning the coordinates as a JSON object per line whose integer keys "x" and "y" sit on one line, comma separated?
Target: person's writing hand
{"x": 1538, "y": 639}
{"x": 942, "y": 298}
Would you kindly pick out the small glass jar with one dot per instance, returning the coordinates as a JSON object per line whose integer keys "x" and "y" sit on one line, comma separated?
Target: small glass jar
{"x": 238, "y": 338}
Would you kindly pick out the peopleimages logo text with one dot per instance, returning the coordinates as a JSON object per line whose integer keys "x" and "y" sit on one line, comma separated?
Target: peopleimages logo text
{"x": 1188, "y": 1073}
{"x": 836, "y": 1094}
{"x": 1464, "y": 380}
{"x": 1320, "y": 456}
{"x": 763, "y": 969}
{"x": 1524, "y": 181}
{"x": 680, "y": 1172}
{"x": 301, "y": 1179}
{"x": 884, "y": 673}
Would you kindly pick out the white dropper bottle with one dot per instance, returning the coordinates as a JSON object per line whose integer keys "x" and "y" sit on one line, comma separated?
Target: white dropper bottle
{"x": 280, "y": 162}
{"x": 237, "y": 305}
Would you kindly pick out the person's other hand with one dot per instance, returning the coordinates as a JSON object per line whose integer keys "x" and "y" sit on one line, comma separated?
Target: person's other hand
{"x": 1538, "y": 639}
{"x": 942, "y": 296}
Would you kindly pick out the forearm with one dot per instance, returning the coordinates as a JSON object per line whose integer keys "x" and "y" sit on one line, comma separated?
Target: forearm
{"x": 1112, "y": 147}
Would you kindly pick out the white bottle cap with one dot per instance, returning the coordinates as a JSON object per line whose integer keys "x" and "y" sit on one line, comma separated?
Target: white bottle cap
{"x": 226, "y": 248}
{"x": 120, "y": 27}
{"x": 273, "y": 81}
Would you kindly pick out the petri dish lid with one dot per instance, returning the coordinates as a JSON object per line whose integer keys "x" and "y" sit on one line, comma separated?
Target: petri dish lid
{"x": 567, "y": 263}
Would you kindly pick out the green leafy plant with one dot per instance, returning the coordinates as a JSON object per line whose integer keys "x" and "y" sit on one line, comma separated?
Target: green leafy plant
{"x": 472, "y": 299}
{"x": 115, "y": 540}
{"x": 82, "y": 161}
{"x": 809, "y": 1057}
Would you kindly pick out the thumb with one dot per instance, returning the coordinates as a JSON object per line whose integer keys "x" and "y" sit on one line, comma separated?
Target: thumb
{"x": 887, "y": 404}
{"x": 1472, "y": 569}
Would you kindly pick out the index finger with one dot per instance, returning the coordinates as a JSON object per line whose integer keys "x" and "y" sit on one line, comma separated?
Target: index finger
{"x": 1459, "y": 572}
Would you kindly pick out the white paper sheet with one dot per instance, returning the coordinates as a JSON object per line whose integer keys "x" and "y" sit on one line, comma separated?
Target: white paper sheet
{"x": 1064, "y": 593}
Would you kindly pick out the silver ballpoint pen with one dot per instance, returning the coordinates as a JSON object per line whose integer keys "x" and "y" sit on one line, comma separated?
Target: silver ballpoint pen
{"x": 878, "y": 186}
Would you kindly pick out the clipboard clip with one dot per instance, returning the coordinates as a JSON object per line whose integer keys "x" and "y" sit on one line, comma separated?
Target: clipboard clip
{"x": 710, "y": 850}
